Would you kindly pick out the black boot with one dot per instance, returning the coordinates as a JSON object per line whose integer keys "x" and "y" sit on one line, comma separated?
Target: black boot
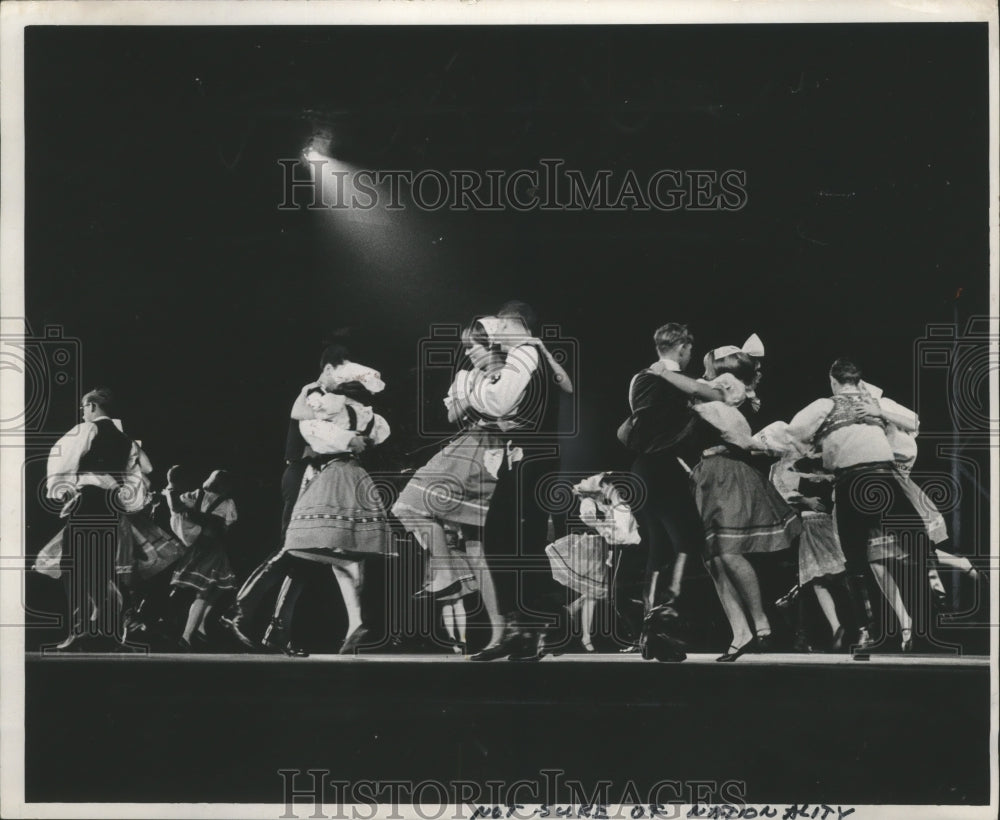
{"x": 512, "y": 642}
{"x": 861, "y": 604}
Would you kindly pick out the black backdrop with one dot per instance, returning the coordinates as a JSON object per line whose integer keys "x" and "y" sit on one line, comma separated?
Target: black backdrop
{"x": 153, "y": 233}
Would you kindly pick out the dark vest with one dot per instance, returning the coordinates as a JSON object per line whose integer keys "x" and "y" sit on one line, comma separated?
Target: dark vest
{"x": 537, "y": 413}
{"x": 295, "y": 445}
{"x": 109, "y": 451}
{"x": 664, "y": 419}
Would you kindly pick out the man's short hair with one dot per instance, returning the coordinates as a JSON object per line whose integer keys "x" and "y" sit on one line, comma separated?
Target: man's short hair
{"x": 520, "y": 310}
{"x": 844, "y": 371}
{"x": 333, "y": 355}
{"x": 670, "y": 336}
{"x": 102, "y": 397}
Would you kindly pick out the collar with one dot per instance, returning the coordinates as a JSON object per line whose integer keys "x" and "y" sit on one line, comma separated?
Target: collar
{"x": 671, "y": 365}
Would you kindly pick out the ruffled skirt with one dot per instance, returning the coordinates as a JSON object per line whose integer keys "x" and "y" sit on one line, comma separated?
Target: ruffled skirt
{"x": 339, "y": 515}
{"x": 456, "y": 485}
{"x": 741, "y": 511}
{"x": 819, "y": 550}
{"x": 579, "y": 561}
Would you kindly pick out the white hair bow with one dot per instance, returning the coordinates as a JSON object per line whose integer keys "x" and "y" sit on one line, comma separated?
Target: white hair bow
{"x": 753, "y": 346}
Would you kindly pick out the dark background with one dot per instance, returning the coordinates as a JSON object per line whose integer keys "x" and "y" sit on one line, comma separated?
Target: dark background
{"x": 154, "y": 237}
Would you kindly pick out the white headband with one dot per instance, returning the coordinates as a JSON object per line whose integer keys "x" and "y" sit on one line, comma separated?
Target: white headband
{"x": 492, "y": 326}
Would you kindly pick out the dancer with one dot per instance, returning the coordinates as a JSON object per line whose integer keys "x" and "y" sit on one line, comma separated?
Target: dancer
{"x": 453, "y": 491}
{"x": 742, "y": 513}
{"x": 579, "y": 560}
{"x": 903, "y": 440}
{"x": 850, "y": 431}
{"x": 86, "y": 471}
{"x": 521, "y": 397}
{"x": 202, "y": 519}
{"x": 338, "y": 519}
{"x": 342, "y": 515}
{"x": 659, "y": 430}
{"x": 820, "y": 558}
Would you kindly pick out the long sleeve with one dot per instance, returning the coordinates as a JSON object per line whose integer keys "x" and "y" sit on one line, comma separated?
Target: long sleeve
{"x": 902, "y": 417}
{"x": 381, "y": 431}
{"x": 729, "y": 421}
{"x": 499, "y": 395}
{"x": 64, "y": 458}
{"x": 808, "y": 420}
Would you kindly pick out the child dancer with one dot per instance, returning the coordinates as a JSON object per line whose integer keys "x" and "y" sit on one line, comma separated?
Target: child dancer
{"x": 201, "y": 519}
{"x": 579, "y": 561}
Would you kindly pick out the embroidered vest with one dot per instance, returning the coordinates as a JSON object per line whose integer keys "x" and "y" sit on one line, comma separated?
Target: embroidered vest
{"x": 844, "y": 414}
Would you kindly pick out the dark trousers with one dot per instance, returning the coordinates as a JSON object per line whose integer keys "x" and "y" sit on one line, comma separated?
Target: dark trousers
{"x": 271, "y": 572}
{"x": 297, "y": 570}
{"x": 90, "y": 546}
{"x": 514, "y": 540}
{"x": 668, "y": 519}
{"x": 263, "y": 580}
{"x": 629, "y": 568}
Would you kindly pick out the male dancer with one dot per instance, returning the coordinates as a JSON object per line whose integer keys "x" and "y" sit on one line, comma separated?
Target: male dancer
{"x": 522, "y": 397}
{"x": 669, "y": 522}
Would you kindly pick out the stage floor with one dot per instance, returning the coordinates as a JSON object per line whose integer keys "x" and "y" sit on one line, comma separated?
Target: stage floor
{"x": 793, "y": 728}
{"x": 775, "y": 659}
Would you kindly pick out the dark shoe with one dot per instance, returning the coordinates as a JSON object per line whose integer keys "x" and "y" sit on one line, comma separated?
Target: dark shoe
{"x": 235, "y": 626}
{"x": 509, "y": 642}
{"x": 864, "y": 646}
{"x": 285, "y": 648}
{"x": 658, "y": 640}
{"x": 764, "y": 643}
{"x": 491, "y": 653}
{"x": 354, "y": 640}
{"x": 801, "y": 643}
{"x": 425, "y": 592}
{"x": 732, "y": 653}
{"x": 837, "y": 644}
{"x": 531, "y": 646}
{"x": 506, "y": 645}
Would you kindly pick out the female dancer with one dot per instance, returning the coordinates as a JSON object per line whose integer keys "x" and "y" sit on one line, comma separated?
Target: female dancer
{"x": 821, "y": 560}
{"x": 742, "y": 512}
{"x": 338, "y": 518}
{"x": 201, "y": 519}
{"x": 580, "y": 560}
{"x": 453, "y": 490}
